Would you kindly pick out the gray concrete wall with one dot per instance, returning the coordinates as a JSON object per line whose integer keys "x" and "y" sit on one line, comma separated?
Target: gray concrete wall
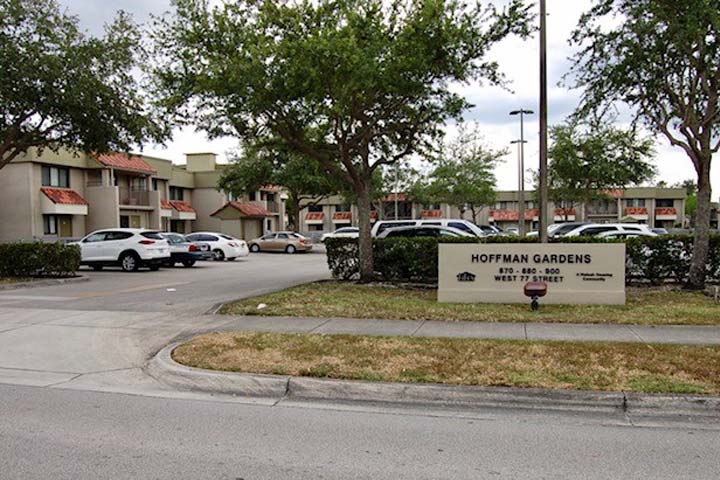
{"x": 103, "y": 211}
{"x": 16, "y": 199}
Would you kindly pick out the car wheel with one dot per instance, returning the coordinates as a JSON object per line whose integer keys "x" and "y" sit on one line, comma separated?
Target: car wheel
{"x": 129, "y": 262}
{"x": 290, "y": 249}
{"x": 188, "y": 263}
{"x": 255, "y": 248}
{"x": 218, "y": 255}
{"x": 154, "y": 268}
{"x": 97, "y": 268}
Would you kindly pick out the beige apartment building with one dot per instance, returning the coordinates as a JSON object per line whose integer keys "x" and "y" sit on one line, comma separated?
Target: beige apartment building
{"x": 59, "y": 196}
{"x": 657, "y": 207}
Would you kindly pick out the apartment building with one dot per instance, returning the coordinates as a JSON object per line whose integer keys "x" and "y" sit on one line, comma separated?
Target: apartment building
{"x": 657, "y": 207}
{"x": 56, "y": 196}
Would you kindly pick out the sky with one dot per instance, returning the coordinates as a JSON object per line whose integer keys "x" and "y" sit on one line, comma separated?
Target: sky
{"x": 518, "y": 59}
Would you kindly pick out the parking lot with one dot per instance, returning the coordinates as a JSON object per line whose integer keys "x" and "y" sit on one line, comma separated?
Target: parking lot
{"x": 188, "y": 290}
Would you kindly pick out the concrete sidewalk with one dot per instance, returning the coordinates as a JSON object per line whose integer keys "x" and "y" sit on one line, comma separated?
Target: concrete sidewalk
{"x": 678, "y": 334}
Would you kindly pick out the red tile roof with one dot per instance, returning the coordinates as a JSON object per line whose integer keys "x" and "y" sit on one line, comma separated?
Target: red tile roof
{"x": 401, "y": 197}
{"x": 124, "y": 161}
{"x": 165, "y": 205}
{"x": 342, "y": 216}
{"x": 250, "y": 210}
{"x": 181, "y": 206}
{"x": 314, "y": 216}
{"x": 431, "y": 214}
{"x": 63, "y": 196}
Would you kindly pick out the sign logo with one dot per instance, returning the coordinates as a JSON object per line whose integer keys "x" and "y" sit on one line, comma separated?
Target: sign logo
{"x": 465, "y": 277}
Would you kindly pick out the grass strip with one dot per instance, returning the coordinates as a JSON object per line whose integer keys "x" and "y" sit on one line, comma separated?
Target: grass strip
{"x": 560, "y": 365}
{"x": 645, "y": 306}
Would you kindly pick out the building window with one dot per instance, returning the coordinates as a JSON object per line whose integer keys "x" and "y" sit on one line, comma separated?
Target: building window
{"x": 138, "y": 184}
{"x": 342, "y": 208}
{"x": 231, "y": 196}
{"x": 50, "y": 224}
{"x": 270, "y": 197}
{"x": 665, "y": 203}
{"x": 155, "y": 184}
{"x": 252, "y": 196}
{"x": 315, "y": 208}
{"x": 55, "y": 176}
{"x": 431, "y": 206}
{"x": 315, "y": 228}
{"x": 177, "y": 193}
{"x": 501, "y": 206}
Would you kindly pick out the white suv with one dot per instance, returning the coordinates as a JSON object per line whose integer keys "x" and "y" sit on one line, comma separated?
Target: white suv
{"x": 222, "y": 246}
{"x": 594, "y": 229}
{"x": 462, "y": 225}
{"x": 130, "y": 248}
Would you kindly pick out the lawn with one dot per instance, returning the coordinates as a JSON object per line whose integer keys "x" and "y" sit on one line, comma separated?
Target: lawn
{"x": 560, "y": 365}
{"x": 648, "y": 306}
{"x": 11, "y": 280}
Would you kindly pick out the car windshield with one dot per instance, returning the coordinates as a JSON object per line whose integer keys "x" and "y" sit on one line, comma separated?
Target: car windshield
{"x": 227, "y": 237}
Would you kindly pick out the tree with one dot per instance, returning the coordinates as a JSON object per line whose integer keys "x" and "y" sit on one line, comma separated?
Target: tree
{"x": 663, "y": 61}
{"x": 353, "y": 84}
{"x": 463, "y": 176}
{"x": 274, "y": 164}
{"x": 586, "y": 162}
{"x": 62, "y": 89}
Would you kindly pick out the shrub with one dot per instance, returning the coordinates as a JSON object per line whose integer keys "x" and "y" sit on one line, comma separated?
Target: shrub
{"x": 31, "y": 259}
{"x": 648, "y": 259}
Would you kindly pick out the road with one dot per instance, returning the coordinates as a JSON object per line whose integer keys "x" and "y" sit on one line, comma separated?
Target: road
{"x": 75, "y": 402}
{"x": 62, "y": 434}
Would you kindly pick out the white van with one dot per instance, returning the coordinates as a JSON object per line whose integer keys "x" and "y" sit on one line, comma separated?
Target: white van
{"x": 594, "y": 229}
{"x": 462, "y": 225}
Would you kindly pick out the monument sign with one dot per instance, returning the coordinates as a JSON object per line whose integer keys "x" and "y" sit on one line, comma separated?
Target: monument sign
{"x": 587, "y": 273}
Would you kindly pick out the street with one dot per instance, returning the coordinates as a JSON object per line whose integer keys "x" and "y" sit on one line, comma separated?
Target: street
{"x": 77, "y": 403}
{"x": 60, "y": 434}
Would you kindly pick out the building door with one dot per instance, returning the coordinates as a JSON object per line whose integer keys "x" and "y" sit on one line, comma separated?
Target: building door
{"x": 64, "y": 226}
{"x": 124, "y": 221}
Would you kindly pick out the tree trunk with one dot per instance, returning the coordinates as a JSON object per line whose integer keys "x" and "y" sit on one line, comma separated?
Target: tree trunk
{"x": 367, "y": 273}
{"x": 701, "y": 246}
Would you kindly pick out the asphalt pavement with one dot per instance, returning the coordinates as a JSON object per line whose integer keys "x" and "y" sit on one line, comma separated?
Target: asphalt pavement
{"x": 62, "y": 434}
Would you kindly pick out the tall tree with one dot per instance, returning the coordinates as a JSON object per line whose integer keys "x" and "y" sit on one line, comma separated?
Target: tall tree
{"x": 662, "y": 59}
{"x": 274, "y": 164}
{"x": 587, "y": 161}
{"x": 62, "y": 89}
{"x": 464, "y": 175}
{"x": 353, "y": 84}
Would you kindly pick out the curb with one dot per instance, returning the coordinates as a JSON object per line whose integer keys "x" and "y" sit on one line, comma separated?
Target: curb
{"x": 164, "y": 369}
{"x": 44, "y": 282}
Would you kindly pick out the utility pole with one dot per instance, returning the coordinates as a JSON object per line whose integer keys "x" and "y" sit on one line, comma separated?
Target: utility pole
{"x": 521, "y": 169}
{"x": 543, "y": 194}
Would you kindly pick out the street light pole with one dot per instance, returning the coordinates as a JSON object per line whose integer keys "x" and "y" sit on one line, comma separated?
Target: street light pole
{"x": 543, "y": 194}
{"x": 521, "y": 168}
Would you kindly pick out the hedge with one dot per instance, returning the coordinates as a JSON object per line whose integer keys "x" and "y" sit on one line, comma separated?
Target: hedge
{"x": 33, "y": 259}
{"x": 648, "y": 259}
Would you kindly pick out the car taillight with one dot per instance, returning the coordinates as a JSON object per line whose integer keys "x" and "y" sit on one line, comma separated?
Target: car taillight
{"x": 302, "y": 240}
{"x": 146, "y": 242}
{"x": 193, "y": 248}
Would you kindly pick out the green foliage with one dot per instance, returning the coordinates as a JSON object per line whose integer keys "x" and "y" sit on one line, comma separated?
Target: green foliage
{"x": 648, "y": 259}
{"x": 464, "y": 175}
{"x": 62, "y": 89}
{"x": 661, "y": 58}
{"x": 584, "y": 162}
{"x": 352, "y": 84}
{"x": 31, "y": 259}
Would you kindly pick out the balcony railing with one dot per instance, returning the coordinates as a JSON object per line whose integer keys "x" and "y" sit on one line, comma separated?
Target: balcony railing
{"x": 134, "y": 197}
{"x": 272, "y": 207}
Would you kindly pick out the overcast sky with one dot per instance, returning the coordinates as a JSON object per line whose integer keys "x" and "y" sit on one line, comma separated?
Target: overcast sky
{"x": 518, "y": 60}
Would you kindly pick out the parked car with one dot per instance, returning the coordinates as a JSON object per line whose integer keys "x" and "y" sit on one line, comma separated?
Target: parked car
{"x": 288, "y": 242}
{"x": 462, "y": 225}
{"x": 593, "y": 229}
{"x": 221, "y": 245}
{"x": 130, "y": 248}
{"x": 423, "y": 231}
{"x": 625, "y": 234}
{"x": 184, "y": 251}
{"x": 344, "y": 232}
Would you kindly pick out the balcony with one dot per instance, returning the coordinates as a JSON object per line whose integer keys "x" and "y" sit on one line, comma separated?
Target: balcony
{"x": 666, "y": 213}
{"x": 272, "y": 207}
{"x": 638, "y": 213}
{"x": 134, "y": 197}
